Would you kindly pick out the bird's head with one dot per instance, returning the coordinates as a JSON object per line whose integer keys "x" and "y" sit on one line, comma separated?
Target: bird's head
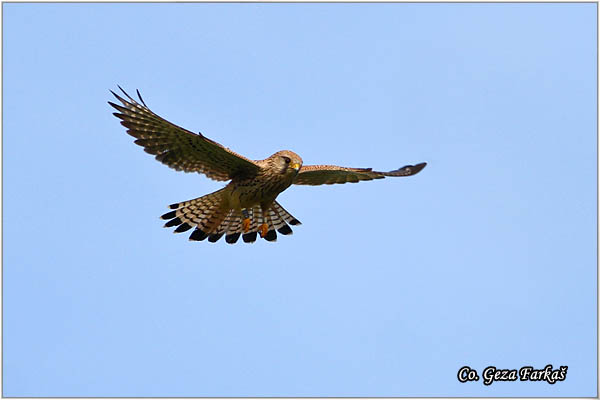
{"x": 288, "y": 162}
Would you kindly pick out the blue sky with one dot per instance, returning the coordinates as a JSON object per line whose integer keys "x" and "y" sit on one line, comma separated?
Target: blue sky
{"x": 487, "y": 257}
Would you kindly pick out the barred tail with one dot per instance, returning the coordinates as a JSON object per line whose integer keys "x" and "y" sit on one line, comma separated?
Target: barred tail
{"x": 276, "y": 219}
{"x": 212, "y": 222}
{"x": 205, "y": 213}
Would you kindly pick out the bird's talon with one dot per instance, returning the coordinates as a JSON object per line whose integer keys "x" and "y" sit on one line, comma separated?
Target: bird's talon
{"x": 264, "y": 228}
{"x": 246, "y": 225}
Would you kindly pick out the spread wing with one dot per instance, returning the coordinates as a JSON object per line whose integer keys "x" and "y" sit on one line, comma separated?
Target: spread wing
{"x": 329, "y": 174}
{"x": 177, "y": 147}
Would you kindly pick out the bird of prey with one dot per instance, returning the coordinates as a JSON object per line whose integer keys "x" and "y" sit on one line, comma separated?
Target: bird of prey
{"x": 246, "y": 206}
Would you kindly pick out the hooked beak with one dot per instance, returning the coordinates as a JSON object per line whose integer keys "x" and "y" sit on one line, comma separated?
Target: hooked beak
{"x": 296, "y": 166}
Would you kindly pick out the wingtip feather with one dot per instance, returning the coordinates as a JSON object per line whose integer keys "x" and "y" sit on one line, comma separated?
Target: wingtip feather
{"x": 140, "y": 97}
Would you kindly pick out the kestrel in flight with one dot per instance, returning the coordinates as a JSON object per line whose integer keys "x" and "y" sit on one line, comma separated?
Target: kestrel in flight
{"x": 246, "y": 206}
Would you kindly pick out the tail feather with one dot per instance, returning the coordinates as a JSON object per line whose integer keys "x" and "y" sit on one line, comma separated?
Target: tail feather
{"x": 233, "y": 227}
{"x": 271, "y": 235}
{"x": 228, "y": 223}
{"x": 285, "y": 215}
{"x": 205, "y": 213}
{"x": 255, "y": 218}
{"x": 279, "y": 223}
{"x": 210, "y": 220}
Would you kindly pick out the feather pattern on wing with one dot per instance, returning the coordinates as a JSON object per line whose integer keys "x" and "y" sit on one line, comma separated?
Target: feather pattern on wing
{"x": 177, "y": 147}
{"x": 330, "y": 174}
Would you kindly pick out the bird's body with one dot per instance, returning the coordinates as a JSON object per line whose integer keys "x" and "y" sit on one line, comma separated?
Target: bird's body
{"x": 265, "y": 186}
{"x": 246, "y": 206}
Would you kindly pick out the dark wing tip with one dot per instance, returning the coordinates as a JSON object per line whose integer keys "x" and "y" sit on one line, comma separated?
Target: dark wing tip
{"x": 407, "y": 170}
{"x": 182, "y": 228}
{"x": 116, "y": 106}
{"x": 173, "y": 222}
{"x": 140, "y": 97}
{"x": 169, "y": 215}
{"x": 122, "y": 100}
{"x": 415, "y": 169}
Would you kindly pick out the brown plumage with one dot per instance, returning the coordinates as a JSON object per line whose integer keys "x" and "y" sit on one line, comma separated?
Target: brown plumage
{"x": 246, "y": 206}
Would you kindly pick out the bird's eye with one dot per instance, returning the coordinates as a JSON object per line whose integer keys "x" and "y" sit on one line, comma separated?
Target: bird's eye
{"x": 287, "y": 160}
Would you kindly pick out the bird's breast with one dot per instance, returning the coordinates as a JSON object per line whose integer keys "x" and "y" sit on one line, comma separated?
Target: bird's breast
{"x": 249, "y": 192}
